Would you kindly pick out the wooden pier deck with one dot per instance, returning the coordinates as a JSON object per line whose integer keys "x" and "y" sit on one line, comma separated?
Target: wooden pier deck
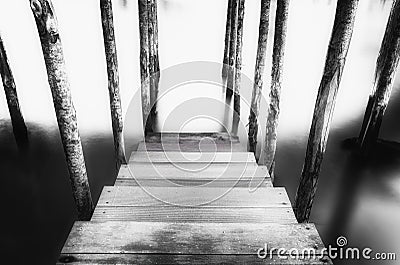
{"x": 171, "y": 207}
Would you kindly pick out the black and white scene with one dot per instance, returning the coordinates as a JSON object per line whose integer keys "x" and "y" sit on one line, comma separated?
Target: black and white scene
{"x": 200, "y": 132}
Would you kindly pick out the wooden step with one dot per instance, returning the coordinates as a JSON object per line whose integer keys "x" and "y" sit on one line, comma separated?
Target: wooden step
{"x": 192, "y": 147}
{"x": 192, "y": 157}
{"x": 195, "y": 243}
{"x": 241, "y": 175}
{"x": 282, "y": 215}
{"x": 217, "y": 137}
{"x": 244, "y": 183}
{"x": 193, "y": 196}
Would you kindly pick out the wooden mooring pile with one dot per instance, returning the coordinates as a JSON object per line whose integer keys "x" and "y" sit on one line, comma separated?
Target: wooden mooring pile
{"x": 228, "y": 210}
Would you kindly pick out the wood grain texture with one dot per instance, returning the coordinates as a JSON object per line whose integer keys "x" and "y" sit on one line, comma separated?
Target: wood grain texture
{"x": 193, "y": 171}
{"x": 324, "y": 106}
{"x": 258, "y": 75}
{"x": 110, "y": 49}
{"x": 192, "y": 196}
{"x": 191, "y": 147}
{"x": 194, "y": 238}
{"x": 182, "y": 259}
{"x": 192, "y": 157}
{"x": 244, "y": 183}
{"x": 47, "y": 25}
{"x": 195, "y": 214}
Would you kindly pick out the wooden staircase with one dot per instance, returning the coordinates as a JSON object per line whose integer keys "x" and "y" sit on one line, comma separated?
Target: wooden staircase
{"x": 176, "y": 205}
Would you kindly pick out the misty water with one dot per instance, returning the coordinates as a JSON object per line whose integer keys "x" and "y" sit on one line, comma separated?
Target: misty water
{"x": 356, "y": 199}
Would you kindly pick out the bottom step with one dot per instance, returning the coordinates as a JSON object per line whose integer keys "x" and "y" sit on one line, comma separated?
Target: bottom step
{"x": 195, "y": 243}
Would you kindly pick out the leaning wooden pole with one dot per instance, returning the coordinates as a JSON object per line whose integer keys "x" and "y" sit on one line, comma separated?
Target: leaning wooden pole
{"x": 269, "y": 149}
{"x": 238, "y": 68}
{"x": 232, "y": 52}
{"x": 225, "y": 60}
{"x": 47, "y": 26}
{"x": 258, "y": 75}
{"x": 324, "y": 106}
{"x": 144, "y": 64}
{"x": 113, "y": 80}
{"x": 386, "y": 67}
{"x": 17, "y": 120}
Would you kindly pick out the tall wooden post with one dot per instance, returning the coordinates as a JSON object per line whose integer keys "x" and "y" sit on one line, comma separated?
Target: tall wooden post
{"x": 227, "y": 44}
{"x": 238, "y": 68}
{"x": 144, "y": 64}
{"x": 324, "y": 106}
{"x": 113, "y": 80}
{"x": 232, "y": 52}
{"x": 154, "y": 66}
{"x": 17, "y": 120}
{"x": 258, "y": 75}
{"x": 47, "y": 26}
{"x": 269, "y": 149}
{"x": 386, "y": 67}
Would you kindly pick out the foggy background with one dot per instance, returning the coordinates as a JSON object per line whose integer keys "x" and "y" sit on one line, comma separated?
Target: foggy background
{"x": 360, "y": 202}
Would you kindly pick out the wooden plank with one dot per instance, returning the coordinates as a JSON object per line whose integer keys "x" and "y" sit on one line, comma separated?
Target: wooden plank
{"x": 193, "y": 196}
{"x": 192, "y": 157}
{"x": 183, "y": 259}
{"x": 195, "y": 214}
{"x": 193, "y": 171}
{"x": 217, "y": 137}
{"x": 194, "y": 238}
{"x": 244, "y": 183}
{"x": 192, "y": 147}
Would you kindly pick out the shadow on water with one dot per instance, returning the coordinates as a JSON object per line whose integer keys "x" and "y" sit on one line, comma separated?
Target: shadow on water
{"x": 37, "y": 205}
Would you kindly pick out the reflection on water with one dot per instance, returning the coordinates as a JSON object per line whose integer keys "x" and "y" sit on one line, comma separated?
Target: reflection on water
{"x": 356, "y": 198}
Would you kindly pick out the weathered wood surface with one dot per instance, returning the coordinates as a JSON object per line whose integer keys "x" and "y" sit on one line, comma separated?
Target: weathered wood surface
{"x": 190, "y": 137}
{"x": 195, "y": 215}
{"x": 191, "y": 147}
{"x": 324, "y": 106}
{"x": 193, "y": 171}
{"x": 230, "y": 85}
{"x": 238, "y": 68}
{"x": 193, "y": 196}
{"x": 268, "y": 151}
{"x": 17, "y": 120}
{"x": 155, "y": 222}
{"x": 171, "y": 182}
{"x": 129, "y": 239}
{"x": 225, "y": 60}
{"x": 47, "y": 26}
{"x": 192, "y": 157}
{"x": 110, "y": 48}
{"x": 183, "y": 259}
{"x": 258, "y": 75}
{"x": 385, "y": 72}
{"x": 144, "y": 64}
{"x": 186, "y": 174}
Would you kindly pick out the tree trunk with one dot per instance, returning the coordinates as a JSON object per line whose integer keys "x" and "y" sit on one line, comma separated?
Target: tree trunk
{"x": 46, "y": 23}
{"x": 144, "y": 64}
{"x": 238, "y": 68}
{"x": 232, "y": 52}
{"x": 227, "y": 43}
{"x": 386, "y": 67}
{"x": 17, "y": 120}
{"x": 269, "y": 149}
{"x": 113, "y": 80}
{"x": 324, "y": 106}
{"x": 258, "y": 75}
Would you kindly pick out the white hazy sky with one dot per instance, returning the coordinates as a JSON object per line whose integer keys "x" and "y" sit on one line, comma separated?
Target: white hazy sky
{"x": 189, "y": 30}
